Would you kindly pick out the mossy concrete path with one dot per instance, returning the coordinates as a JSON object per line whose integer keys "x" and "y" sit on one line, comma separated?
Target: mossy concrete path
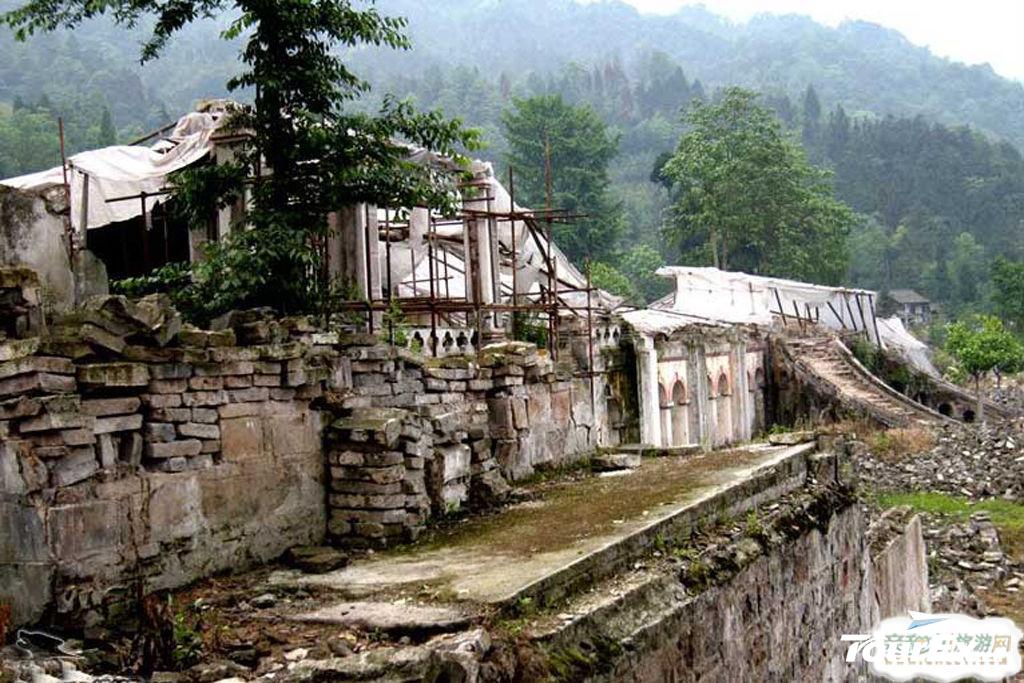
{"x": 575, "y": 531}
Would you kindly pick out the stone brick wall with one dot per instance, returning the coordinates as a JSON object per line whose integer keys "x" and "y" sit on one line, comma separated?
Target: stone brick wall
{"x": 420, "y": 437}
{"x": 781, "y": 617}
{"x": 127, "y": 462}
{"x": 139, "y": 453}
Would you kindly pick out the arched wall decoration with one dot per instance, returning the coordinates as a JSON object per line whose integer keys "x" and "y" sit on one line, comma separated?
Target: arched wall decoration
{"x": 679, "y": 393}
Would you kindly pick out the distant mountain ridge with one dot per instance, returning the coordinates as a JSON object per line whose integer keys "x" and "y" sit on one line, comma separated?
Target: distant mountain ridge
{"x": 863, "y": 66}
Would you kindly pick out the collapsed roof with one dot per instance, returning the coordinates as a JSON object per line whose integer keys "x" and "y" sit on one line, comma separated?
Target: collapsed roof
{"x": 713, "y": 296}
{"x": 105, "y": 186}
{"x": 111, "y": 173}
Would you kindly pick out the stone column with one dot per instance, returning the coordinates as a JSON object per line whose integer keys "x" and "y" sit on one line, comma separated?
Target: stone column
{"x": 667, "y": 428}
{"x": 225, "y": 154}
{"x": 484, "y": 272}
{"x": 700, "y": 401}
{"x": 419, "y": 224}
{"x": 373, "y": 240}
{"x": 353, "y": 258}
{"x": 742, "y": 410}
{"x": 647, "y": 372}
{"x": 351, "y": 253}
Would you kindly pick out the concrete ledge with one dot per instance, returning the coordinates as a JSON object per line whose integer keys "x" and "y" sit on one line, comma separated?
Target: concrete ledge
{"x": 785, "y": 473}
{"x": 577, "y": 533}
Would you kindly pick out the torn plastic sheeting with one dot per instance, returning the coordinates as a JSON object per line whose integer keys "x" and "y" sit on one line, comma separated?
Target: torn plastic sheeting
{"x": 124, "y": 171}
{"x": 896, "y": 338}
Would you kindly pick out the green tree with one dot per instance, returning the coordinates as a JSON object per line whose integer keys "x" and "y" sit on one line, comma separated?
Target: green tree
{"x": 323, "y": 156}
{"x": 748, "y": 199}
{"x": 968, "y": 270}
{"x": 639, "y": 264}
{"x": 1008, "y": 291}
{"x": 28, "y": 142}
{"x": 610, "y": 279}
{"x": 579, "y": 147}
{"x": 811, "y": 118}
{"x": 981, "y": 345}
{"x": 868, "y": 245}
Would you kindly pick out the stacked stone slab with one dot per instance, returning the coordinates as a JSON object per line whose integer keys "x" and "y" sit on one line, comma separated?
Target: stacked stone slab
{"x": 445, "y": 433}
{"x": 377, "y": 494}
{"x": 400, "y": 451}
{"x": 20, "y": 303}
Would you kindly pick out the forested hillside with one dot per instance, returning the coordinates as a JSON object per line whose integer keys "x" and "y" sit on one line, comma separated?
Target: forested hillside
{"x": 860, "y": 65}
{"x": 936, "y": 200}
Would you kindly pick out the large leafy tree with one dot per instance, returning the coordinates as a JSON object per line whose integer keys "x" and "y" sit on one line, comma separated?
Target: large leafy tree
{"x": 747, "y": 199}
{"x": 579, "y": 147}
{"x": 320, "y": 155}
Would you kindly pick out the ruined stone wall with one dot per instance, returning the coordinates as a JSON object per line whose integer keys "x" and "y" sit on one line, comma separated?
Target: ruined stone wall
{"x": 421, "y": 437}
{"x": 139, "y": 454}
{"x": 899, "y": 566}
{"x": 782, "y": 616}
{"x": 32, "y": 234}
{"x": 152, "y": 466}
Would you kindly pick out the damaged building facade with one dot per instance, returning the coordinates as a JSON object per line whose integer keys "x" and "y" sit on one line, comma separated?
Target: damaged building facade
{"x": 137, "y": 452}
{"x": 704, "y": 360}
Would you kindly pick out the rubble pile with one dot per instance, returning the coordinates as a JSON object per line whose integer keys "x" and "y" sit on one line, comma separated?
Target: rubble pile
{"x": 965, "y": 556}
{"x": 966, "y": 560}
{"x": 974, "y": 461}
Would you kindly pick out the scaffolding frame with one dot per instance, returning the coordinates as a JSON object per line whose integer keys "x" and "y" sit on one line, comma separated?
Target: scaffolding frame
{"x": 444, "y": 306}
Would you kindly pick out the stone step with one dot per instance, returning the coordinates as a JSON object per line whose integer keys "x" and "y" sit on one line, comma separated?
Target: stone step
{"x": 823, "y": 358}
{"x": 388, "y": 617}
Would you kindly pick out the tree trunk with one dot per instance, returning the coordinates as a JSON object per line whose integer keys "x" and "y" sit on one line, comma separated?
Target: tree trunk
{"x": 981, "y": 404}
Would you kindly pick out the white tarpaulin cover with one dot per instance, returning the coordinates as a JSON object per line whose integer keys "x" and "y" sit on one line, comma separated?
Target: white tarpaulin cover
{"x": 126, "y": 171}
{"x": 740, "y": 298}
{"x": 896, "y": 338}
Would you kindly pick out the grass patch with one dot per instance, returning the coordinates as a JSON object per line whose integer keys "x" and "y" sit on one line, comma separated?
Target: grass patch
{"x": 890, "y": 445}
{"x": 1008, "y": 518}
{"x": 895, "y": 444}
{"x": 1005, "y": 514}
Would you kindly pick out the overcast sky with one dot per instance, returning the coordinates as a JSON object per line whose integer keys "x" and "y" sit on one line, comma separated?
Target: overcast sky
{"x": 971, "y": 31}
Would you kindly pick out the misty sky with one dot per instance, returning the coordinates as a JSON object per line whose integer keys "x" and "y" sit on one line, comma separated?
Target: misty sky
{"x": 971, "y": 31}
